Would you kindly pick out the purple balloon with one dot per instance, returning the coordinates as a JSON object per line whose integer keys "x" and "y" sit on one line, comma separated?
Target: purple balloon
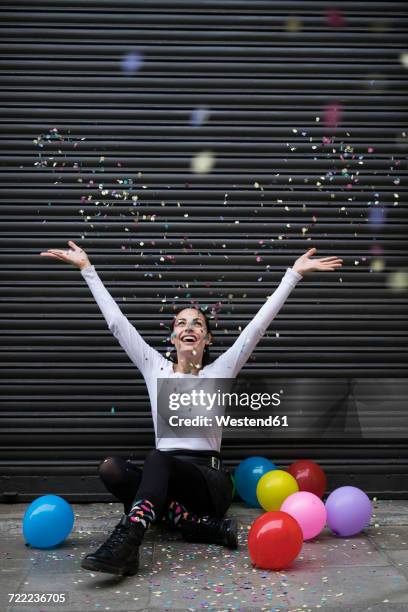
{"x": 348, "y": 511}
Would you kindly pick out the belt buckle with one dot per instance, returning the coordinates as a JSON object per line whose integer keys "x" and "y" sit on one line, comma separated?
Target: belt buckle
{"x": 215, "y": 463}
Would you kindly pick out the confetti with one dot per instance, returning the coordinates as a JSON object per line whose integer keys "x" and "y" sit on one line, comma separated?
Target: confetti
{"x": 377, "y": 265}
{"x": 132, "y": 62}
{"x": 332, "y": 115}
{"x": 398, "y": 281}
{"x": 334, "y": 18}
{"x": 203, "y": 162}
{"x": 404, "y": 59}
{"x": 199, "y": 115}
{"x": 293, "y": 25}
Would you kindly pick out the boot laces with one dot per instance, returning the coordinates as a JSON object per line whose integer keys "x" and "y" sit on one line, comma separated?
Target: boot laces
{"x": 117, "y": 537}
{"x": 212, "y": 523}
{"x": 207, "y": 527}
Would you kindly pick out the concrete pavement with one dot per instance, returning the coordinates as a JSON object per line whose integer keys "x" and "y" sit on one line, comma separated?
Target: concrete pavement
{"x": 368, "y": 572}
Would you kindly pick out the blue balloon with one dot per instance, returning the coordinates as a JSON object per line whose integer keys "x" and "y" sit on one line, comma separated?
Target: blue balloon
{"x": 247, "y": 474}
{"x": 47, "y": 521}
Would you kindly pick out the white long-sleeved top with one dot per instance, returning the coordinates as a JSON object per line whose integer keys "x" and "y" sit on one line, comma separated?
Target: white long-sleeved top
{"x": 153, "y": 365}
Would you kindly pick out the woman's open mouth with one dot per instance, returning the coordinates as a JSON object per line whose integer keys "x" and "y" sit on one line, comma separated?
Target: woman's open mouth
{"x": 189, "y": 339}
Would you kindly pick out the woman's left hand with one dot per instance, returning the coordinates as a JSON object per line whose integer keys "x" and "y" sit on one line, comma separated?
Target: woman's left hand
{"x": 303, "y": 265}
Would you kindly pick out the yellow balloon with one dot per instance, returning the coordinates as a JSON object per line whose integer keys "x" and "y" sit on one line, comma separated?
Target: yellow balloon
{"x": 274, "y": 487}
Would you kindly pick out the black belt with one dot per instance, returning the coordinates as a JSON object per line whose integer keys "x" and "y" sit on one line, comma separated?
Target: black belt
{"x": 211, "y": 461}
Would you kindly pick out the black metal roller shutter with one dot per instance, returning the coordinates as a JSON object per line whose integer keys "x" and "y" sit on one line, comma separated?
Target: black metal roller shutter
{"x": 104, "y": 106}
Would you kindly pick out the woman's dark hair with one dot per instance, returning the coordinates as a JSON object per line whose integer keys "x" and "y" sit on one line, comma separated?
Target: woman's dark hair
{"x": 206, "y": 352}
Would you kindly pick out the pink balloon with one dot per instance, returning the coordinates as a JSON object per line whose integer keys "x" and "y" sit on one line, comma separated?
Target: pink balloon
{"x": 308, "y": 510}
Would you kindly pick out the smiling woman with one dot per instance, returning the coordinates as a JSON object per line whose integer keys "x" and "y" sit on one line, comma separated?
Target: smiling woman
{"x": 183, "y": 481}
{"x": 191, "y": 336}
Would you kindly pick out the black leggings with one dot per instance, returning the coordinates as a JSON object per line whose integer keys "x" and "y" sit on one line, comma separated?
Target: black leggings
{"x": 163, "y": 479}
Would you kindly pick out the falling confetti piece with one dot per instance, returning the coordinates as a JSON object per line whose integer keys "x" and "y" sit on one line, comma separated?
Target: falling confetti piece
{"x": 334, "y": 18}
{"x": 199, "y": 115}
{"x": 132, "y": 62}
{"x": 293, "y": 24}
{"x": 203, "y": 162}
{"x": 404, "y": 59}
{"x": 332, "y": 115}
{"x": 377, "y": 216}
{"x": 377, "y": 265}
{"x": 398, "y": 281}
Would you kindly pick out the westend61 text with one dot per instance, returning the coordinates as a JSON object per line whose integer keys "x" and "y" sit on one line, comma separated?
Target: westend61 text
{"x": 227, "y": 421}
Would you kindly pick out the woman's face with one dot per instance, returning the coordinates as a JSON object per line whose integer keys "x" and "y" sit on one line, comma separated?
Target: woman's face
{"x": 190, "y": 334}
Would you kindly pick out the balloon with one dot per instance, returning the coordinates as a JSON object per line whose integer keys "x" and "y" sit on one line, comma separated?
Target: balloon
{"x": 247, "y": 474}
{"x": 348, "y": 511}
{"x": 47, "y": 521}
{"x": 274, "y": 540}
{"x": 309, "y": 476}
{"x": 308, "y": 510}
{"x": 274, "y": 487}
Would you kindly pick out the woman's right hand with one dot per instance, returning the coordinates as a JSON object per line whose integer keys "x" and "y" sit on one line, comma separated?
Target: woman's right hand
{"x": 75, "y": 255}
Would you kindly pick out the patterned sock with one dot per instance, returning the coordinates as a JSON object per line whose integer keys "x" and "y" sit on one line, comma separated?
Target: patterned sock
{"x": 142, "y": 512}
{"x": 177, "y": 514}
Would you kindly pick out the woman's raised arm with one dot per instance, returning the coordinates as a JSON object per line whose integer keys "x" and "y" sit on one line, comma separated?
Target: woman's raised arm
{"x": 231, "y": 362}
{"x": 145, "y": 357}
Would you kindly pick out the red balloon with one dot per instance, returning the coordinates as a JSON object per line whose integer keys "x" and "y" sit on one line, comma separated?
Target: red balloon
{"x": 309, "y": 476}
{"x": 274, "y": 540}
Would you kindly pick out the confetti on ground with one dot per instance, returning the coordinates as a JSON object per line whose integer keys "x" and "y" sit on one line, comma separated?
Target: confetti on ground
{"x": 329, "y": 571}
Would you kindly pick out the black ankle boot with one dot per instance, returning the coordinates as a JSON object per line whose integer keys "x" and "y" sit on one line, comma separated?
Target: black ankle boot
{"x": 120, "y": 553}
{"x": 211, "y": 531}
